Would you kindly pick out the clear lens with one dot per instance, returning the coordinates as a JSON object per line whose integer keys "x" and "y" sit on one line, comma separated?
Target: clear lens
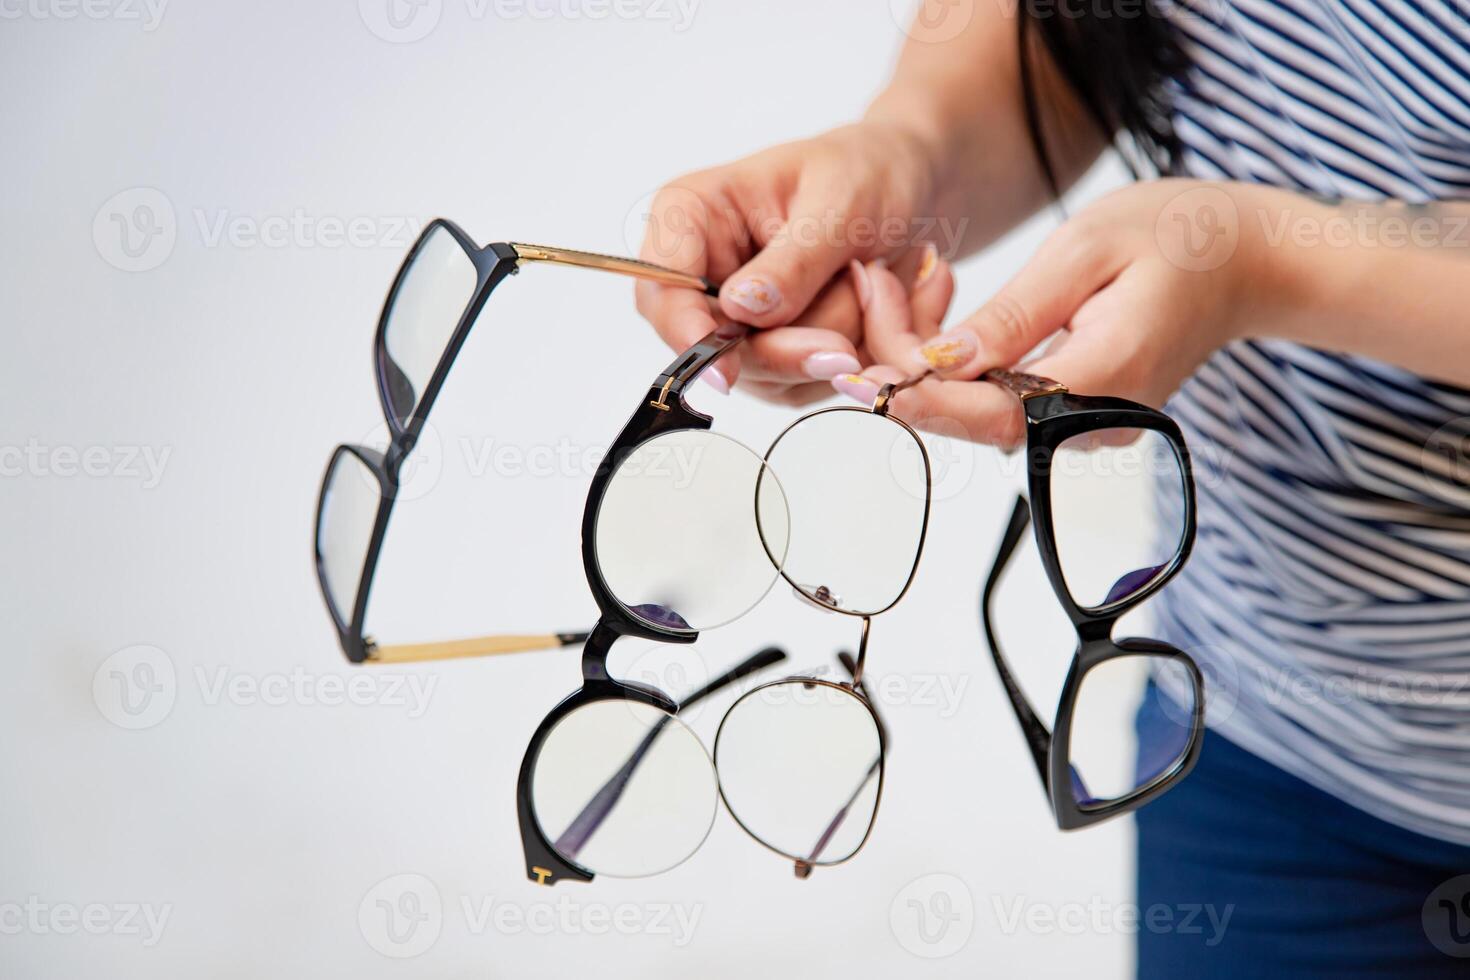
{"x": 436, "y": 288}
{"x": 624, "y": 789}
{"x": 1105, "y": 765}
{"x": 800, "y": 765}
{"x": 677, "y": 537}
{"x": 344, "y": 532}
{"x": 858, "y": 487}
{"x": 1118, "y": 512}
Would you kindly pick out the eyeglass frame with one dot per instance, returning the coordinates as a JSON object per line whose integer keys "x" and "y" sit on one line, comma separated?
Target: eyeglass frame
{"x": 493, "y": 264}
{"x": 1054, "y": 415}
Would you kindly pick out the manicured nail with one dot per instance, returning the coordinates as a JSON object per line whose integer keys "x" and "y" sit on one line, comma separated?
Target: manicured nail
{"x": 755, "y": 296}
{"x": 949, "y": 350}
{"x": 825, "y": 365}
{"x": 927, "y": 264}
{"x": 716, "y": 380}
{"x": 856, "y": 387}
{"x": 863, "y": 284}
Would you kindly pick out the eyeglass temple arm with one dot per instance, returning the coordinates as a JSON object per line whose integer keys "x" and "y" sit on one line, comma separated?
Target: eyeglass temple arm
{"x": 480, "y": 646}
{"x": 581, "y": 829}
{"x": 1018, "y": 383}
{"x": 1037, "y": 735}
{"x": 758, "y": 661}
{"x": 804, "y": 868}
{"x": 636, "y": 268}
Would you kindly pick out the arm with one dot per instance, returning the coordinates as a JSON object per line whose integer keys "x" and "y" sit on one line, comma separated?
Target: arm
{"x": 1138, "y": 289}
{"x": 940, "y": 164}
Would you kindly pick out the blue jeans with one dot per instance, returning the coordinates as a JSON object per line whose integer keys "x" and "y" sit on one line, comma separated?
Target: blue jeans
{"x": 1278, "y": 879}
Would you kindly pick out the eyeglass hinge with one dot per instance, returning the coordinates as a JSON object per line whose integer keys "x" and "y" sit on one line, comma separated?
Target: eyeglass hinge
{"x": 661, "y": 403}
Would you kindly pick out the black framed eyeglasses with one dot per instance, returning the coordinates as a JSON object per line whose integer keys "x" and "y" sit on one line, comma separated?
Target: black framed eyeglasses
{"x": 1113, "y": 506}
{"x": 436, "y": 297}
{"x": 686, "y": 529}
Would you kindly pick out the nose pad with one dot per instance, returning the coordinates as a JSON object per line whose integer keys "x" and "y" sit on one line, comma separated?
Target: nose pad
{"x": 821, "y": 597}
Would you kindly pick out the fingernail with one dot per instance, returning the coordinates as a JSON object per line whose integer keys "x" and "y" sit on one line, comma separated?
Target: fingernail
{"x": 716, "y": 380}
{"x": 949, "y": 350}
{"x": 825, "y": 365}
{"x": 862, "y": 282}
{"x": 755, "y": 296}
{"x": 856, "y": 387}
{"x": 927, "y": 264}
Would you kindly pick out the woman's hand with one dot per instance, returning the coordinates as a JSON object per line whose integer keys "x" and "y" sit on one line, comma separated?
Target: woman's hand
{"x": 1136, "y": 292}
{"x": 780, "y": 229}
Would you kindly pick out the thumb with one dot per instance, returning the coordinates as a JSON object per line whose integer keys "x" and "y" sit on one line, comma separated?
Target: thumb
{"x": 1036, "y": 303}
{"x": 783, "y": 278}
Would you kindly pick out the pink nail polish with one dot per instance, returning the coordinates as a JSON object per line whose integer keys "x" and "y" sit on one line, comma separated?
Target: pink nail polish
{"x": 856, "y": 387}
{"x": 755, "y": 296}
{"x": 825, "y": 365}
{"x": 716, "y": 380}
{"x": 949, "y": 351}
{"x": 862, "y": 283}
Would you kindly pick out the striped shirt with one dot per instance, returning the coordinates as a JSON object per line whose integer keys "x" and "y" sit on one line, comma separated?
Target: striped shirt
{"x": 1328, "y": 596}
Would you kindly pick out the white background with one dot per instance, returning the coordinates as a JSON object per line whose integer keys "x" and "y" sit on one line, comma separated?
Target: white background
{"x": 263, "y": 828}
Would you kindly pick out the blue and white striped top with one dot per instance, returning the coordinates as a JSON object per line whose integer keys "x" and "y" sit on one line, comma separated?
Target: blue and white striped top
{"x": 1328, "y": 597}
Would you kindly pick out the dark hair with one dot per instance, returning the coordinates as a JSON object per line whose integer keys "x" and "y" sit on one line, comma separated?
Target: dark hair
{"x": 1117, "y": 58}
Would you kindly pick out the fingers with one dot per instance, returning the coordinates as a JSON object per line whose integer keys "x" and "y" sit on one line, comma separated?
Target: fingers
{"x": 797, "y": 355}
{"x": 783, "y": 278}
{"x": 896, "y": 322}
{"x": 1037, "y": 302}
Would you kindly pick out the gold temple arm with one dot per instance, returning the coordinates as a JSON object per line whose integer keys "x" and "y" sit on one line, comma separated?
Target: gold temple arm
{"x": 1024, "y": 385}
{"x": 612, "y": 263}
{"x": 1018, "y": 383}
{"x": 480, "y": 646}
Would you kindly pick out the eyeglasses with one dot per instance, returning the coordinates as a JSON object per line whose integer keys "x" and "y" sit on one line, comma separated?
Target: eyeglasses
{"x": 1112, "y": 501}
{"x": 686, "y": 529}
{"x": 616, "y": 784}
{"x": 436, "y": 297}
